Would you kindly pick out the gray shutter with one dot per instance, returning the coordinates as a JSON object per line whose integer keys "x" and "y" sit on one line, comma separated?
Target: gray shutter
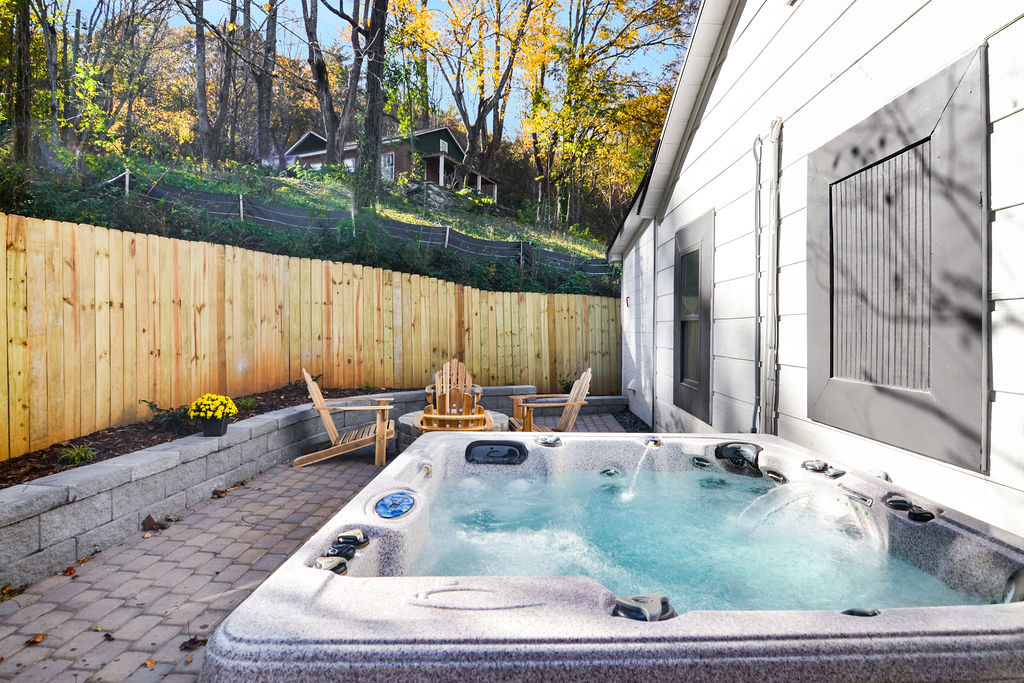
{"x": 897, "y": 271}
{"x": 695, "y": 244}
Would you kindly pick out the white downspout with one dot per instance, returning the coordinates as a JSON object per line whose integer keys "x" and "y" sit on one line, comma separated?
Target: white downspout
{"x": 758, "y": 356}
{"x": 654, "y": 324}
{"x": 770, "y": 368}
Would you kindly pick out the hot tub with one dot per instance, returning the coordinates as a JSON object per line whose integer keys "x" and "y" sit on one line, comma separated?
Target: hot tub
{"x": 797, "y": 602}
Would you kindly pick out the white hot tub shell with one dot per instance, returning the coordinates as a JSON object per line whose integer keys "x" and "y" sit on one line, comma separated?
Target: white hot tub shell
{"x": 376, "y": 624}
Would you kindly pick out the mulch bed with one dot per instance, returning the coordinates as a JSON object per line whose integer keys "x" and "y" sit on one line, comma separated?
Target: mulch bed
{"x": 110, "y": 443}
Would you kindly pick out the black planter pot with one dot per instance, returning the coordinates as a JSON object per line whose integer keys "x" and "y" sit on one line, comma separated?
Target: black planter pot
{"x": 214, "y": 427}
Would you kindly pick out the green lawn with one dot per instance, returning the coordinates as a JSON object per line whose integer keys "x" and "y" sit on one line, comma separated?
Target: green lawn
{"x": 326, "y": 192}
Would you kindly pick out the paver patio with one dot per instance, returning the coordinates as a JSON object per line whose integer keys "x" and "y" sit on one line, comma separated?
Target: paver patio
{"x": 149, "y": 595}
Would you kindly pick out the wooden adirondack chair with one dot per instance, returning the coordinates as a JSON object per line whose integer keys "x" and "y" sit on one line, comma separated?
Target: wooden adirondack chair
{"x": 454, "y": 402}
{"x": 522, "y": 419}
{"x": 452, "y": 375}
{"x": 377, "y": 432}
{"x": 461, "y": 414}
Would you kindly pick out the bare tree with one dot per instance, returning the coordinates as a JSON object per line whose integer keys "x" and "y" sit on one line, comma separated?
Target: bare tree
{"x": 227, "y": 79}
{"x": 321, "y": 80}
{"x": 265, "y": 84}
{"x": 357, "y": 18}
{"x": 194, "y": 12}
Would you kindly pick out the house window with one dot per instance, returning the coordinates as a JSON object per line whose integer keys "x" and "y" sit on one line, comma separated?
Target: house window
{"x": 692, "y": 320}
{"x": 444, "y": 146}
{"x": 897, "y": 274}
{"x": 387, "y": 166}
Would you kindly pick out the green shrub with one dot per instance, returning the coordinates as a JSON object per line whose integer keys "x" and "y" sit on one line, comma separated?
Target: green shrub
{"x": 247, "y": 402}
{"x": 170, "y": 418}
{"x": 77, "y": 453}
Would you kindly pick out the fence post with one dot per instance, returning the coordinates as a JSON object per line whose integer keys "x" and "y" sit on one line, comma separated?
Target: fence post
{"x": 127, "y": 175}
{"x": 241, "y": 207}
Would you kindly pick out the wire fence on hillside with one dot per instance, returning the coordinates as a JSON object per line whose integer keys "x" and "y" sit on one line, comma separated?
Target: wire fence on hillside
{"x": 239, "y": 207}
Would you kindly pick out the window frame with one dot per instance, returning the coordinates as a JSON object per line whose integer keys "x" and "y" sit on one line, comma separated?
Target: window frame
{"x": 949, "y": 420}
{"x": 694, "y": 396}
{"x": 391, "y": 166}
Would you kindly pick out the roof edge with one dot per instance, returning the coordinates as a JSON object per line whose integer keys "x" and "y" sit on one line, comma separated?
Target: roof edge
{"x": 705, "y": 46}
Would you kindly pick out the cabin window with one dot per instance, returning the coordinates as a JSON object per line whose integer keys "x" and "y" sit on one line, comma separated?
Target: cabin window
{"x": 444, "y": 146}
{"x": 694, "y": 281}
{"x": 387, "y": 166}
{"x": 897, "y": 225}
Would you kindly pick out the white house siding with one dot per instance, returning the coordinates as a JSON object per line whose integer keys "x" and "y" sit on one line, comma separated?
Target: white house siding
{"x": 638, "y": 325}
{"x": 823, "y": 66}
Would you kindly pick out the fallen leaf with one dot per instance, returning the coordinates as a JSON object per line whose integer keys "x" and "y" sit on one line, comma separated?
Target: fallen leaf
{"x": 192, "y": 643}
{"x": 218, "y": 493}
{"x": 172, "y": 518}
{"x": 36, "y": 639}
{"x": 188, "y": 505}
{"x": 150, "y": 524}
{"x": 147, "y": 535}
{"x": 187, "y": 660}
{"x": 150, "y": 663}
{"x": 98, "y": 628}
{"x": 85, "y": 559}
{"x": 107, "y": 636}
{"x": 69, "y": 571}
{"x": 8, "y": 592}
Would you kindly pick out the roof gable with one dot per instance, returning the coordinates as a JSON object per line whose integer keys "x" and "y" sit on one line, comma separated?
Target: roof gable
{"x": 310, "y": 142}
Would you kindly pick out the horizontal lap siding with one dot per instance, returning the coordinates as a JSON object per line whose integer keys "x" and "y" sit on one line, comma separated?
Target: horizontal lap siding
{"x": 95, "y": 320}
{"x": 823, "y": 67}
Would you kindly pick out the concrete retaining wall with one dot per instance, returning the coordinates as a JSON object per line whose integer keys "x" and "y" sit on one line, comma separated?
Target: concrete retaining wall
{"x": 50, "y": 523}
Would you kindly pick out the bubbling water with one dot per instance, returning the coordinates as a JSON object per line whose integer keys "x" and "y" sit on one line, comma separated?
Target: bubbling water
{"x": 708, "y": 540}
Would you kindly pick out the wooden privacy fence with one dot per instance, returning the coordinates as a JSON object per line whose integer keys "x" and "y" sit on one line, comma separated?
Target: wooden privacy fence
{"x": 96, "y": 319}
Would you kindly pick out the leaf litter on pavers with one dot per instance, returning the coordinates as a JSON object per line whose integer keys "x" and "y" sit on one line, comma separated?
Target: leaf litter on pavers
{"x": 150, "y": 524}
{"x": 192, "y": 643}
{"x": 9, "y": 591}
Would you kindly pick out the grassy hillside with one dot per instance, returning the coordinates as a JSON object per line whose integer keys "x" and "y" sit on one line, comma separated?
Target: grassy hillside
{"x": 331, "y": 191}
{"x": 360, "y": 239}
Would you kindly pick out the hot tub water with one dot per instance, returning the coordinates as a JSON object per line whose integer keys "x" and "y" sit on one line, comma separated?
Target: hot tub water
{"x": 706, "y": 540}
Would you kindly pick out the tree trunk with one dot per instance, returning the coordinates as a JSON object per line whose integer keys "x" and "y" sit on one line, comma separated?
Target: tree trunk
{"x": 367, "y": 190}
{"x": 65, "y": 74}
{"x": 50, "y": 43}
{"x": 21, "y": 148}
{"x": 71, "y": 114}
{"x": 321, "y": 80}
{"x": 226, "y": 81}
{"x": 264, "y": 86}
{"x": 202, "y": 113}
{"x": 351, "y": 96}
